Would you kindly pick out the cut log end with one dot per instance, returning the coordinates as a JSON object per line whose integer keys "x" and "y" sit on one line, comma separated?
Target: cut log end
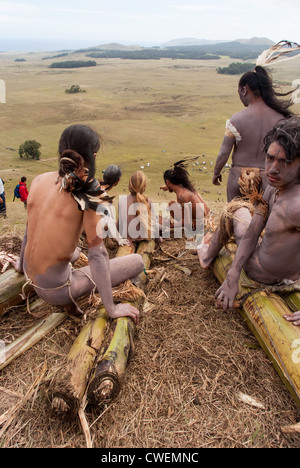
{"x": 63, "y": 404}
{"x": 103, "y": 388}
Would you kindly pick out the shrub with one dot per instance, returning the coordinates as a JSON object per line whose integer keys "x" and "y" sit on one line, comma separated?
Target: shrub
{"x": 236, "y": 68}
{"x": 74, "y": 64}
{"x": 75, "y": 89}
{"x": 30, "y": 149}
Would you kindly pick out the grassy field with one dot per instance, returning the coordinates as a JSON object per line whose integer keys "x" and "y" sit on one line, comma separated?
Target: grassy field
{"x": 182, "y": 387}
{"x": 147, "y": 112}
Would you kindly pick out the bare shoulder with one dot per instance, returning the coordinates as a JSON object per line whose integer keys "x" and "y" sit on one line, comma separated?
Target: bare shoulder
{"x": 269, "y": 193}
{"x": 184, "y": 196}
{"x": 293, "y": 206}
{"x": 46, "y": 177}
{"x": 239, "y": 116}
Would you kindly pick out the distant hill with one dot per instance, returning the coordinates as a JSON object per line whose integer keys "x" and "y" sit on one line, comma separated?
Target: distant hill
{"x": 189, "y": 41}
{"x": 256, "y": 41}
{"x": 116, "y": 46}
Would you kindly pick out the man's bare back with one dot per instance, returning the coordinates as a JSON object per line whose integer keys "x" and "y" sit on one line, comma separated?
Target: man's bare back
{"x": 61, "y": 206}
{"x": 253, "y": 123}
{"x": 46, "y": 245}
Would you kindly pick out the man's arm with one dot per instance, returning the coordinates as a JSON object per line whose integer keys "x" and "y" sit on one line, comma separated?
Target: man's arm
{"x": 226, "y": 293}
{"x": 100, "y": 269}
{"x": 222, "y": 159}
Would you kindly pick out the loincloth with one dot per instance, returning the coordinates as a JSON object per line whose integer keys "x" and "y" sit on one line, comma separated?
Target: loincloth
{"x": 250, "y": 181}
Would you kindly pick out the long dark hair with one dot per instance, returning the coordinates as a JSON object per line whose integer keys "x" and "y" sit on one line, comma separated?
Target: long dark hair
{"x": 261, "y": 84}
{"x": 78, "y": 143}
{"x": 179, "y": 176}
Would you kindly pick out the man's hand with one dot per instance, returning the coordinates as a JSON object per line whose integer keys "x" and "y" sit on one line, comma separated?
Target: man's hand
{"x": 14, "y": 261}
{"x": 164, "y": 188}
{"x": 217, "y": 179}
{"x": 226, "y": 294}
{"x": 294, "y": 318}
{"x": 124, "y": 310}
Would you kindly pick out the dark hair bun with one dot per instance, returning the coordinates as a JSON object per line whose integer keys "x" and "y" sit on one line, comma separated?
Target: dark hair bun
{"x": 70, "y": 161}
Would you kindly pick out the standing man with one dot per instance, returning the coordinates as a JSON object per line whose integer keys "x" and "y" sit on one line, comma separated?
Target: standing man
{"x": 2, "y": 200}
{"x": 23, "y": 191}
{"x": 245, "y": 132}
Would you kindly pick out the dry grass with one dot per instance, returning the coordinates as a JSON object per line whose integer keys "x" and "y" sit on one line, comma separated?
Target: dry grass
{"x": 181, "y": 389}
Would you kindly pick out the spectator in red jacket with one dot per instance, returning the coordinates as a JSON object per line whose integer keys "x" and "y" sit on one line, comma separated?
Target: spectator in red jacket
{"x": 23, "y": 191}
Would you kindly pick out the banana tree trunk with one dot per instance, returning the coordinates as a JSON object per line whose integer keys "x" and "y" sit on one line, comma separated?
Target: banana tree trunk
{"x": 70, "y": 382}
{"x": 264, "y": 313}
{"x": 107, "y": 379}
{"x": 11, "y": 284}
{"x": 145, "y": 249}
{"x": 109, "y": 373}
{"x": 30, "y": 338}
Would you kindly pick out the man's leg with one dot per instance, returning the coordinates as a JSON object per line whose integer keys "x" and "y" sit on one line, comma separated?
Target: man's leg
{"x": 207, "y": 252}
{"x": 121, "y": 269}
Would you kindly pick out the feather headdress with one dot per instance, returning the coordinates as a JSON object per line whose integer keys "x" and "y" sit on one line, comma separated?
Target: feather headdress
{"x": 275, "y": 52}
{"x": 185, "y": 162}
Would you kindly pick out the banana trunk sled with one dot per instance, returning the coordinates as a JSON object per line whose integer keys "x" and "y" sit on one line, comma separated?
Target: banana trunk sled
{"x": 107, "y": 379}
{"x": 97, "y": 361}
{"x": 264, "y": 311}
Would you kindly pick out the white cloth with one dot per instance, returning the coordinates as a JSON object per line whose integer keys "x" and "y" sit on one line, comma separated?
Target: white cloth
{"x": 1, "y": 187}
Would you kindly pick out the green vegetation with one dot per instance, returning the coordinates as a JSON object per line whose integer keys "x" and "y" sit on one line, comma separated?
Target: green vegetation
{"x": 30, "y": 149}
{"x": 235, "y": 50}
{"x": 237, "y": 68}
{"x": 154, "y": 53}
{"x": 64, "y": 54}
{"x": 74, "y": 64}
{"x": 75, "y": 89}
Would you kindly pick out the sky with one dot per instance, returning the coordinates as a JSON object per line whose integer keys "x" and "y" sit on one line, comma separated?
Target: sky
{"x": 78, "y": 23}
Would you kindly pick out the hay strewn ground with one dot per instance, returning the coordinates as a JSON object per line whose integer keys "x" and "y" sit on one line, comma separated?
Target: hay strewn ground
{"x": 181, "y": 388}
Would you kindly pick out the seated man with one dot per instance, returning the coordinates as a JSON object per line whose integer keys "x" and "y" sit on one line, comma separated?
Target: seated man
{"x": 277, "y": 256}
{"x": 177, "y": 180}
{"x": 55, "y": 223}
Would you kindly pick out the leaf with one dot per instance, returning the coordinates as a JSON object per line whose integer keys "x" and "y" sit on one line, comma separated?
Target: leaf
{"x": 185, "y": 270}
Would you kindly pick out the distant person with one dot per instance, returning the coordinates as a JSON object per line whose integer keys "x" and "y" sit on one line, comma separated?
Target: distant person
{"x": 245, "y": 132}
{"x": 111, "y": 177}
{"x": 23, "y": 191}
{"x": 177, "y": 181}
{"x": 2, "y": 200}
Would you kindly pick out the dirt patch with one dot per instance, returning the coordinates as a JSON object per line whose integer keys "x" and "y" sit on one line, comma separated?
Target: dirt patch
{"x": 182, "y": 387}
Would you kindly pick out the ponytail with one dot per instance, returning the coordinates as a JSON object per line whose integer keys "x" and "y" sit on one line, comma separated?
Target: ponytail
{"x": 261, "y": 84}
{"x": 70, "y": 163}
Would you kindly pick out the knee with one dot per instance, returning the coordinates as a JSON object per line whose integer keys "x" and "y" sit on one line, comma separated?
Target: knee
{"x": 138, "y": 263}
